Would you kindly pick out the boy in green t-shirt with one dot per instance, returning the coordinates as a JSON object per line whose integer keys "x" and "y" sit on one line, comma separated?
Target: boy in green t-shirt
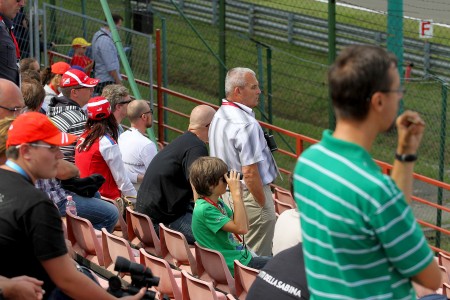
{"x": 214, "y": 224}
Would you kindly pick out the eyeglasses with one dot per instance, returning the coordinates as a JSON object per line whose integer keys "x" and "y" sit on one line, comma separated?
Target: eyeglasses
{"x": 17, "y": 110}
{"x": 207, "y": 125}
{"x": 148, "y": 112}
{"x": 401, "y": 90}
{"x": 83, "y": 87}
{"x": 52, "y": 148}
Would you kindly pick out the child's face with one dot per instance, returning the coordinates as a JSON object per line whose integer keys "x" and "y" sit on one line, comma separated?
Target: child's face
{"x": 80, "y": 50}
{"x": 221, "y": 188}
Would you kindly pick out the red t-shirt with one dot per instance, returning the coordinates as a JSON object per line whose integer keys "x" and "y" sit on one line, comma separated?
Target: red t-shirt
{"x": 81, "y": 60}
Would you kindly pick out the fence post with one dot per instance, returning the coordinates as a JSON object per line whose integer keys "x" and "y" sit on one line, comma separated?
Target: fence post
{"x": 441, "y": 160}
{"x": 165, "y": 72}
{"x": 83, "y": 11}
{"x": 159, "y": 88}
{"x": 290, "y": 27}
{"x": 331, "y": 54}
{"x": 426, "y": 58}
{"x": 269, "y": 85}
{"x": 251, "y": 19}
{"x": 222, "y": 50}
{"x": 260, "y": 76}
{"x": 214, "y": 18}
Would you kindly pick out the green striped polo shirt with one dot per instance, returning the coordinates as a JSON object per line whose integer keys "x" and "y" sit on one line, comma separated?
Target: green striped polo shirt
{"x": 360, "y": 237}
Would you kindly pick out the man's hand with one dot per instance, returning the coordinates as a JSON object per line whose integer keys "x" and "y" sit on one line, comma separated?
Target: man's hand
{"x": 22, "y": 287}
{"x": 410, "y": 129}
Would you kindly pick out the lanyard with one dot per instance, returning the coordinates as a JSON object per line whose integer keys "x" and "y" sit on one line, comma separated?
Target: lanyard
{"x": 222, "y": 210}
{"x": 11, "y": 33}
{"x": 230, "y": 103}
{"x": 18, "y": 169}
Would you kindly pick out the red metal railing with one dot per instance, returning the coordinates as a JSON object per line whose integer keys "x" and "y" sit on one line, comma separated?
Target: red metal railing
{"x": 300, "y": 140}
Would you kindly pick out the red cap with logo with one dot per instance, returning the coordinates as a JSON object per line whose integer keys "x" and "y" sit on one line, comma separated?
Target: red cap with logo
{"x": 32, "y": 127}
{"x": 74, "y": 77}
{"x": 98, "y": 108}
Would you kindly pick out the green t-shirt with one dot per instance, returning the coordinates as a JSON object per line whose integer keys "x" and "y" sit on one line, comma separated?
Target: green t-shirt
{"x": 207, "y": 223}
{"x": 360, "y": 237}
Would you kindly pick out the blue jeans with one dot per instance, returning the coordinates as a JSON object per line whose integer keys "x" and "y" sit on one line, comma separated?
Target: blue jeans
{"x": 182, "y": 224}
{"x": 258, "y": 262}
{"x": 100, "y": 213}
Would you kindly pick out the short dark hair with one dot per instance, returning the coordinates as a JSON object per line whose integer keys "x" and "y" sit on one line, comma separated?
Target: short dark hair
{"x": 206, "y": 172}
{"x": 359, "y": 72}
{"x": 116, "y": 18}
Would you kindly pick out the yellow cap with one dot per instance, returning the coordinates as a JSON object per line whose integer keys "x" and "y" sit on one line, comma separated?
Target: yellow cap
{"x": 79, "y": 41}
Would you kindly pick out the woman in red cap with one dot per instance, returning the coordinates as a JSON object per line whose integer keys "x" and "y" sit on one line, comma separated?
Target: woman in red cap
{"x": 51, "y": 78}
{"x": 97, "y": 151}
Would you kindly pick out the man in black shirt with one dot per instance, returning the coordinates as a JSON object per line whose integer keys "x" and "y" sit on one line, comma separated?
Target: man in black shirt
{"x": 165, "y": 194}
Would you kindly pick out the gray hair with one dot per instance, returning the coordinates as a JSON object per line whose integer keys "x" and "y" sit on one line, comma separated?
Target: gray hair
{"x": 115, "y": 94}
{"x": 236, "y": 78}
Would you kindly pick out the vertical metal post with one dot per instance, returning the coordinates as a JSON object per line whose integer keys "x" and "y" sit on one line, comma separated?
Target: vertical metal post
{"x": 158, "y": 88}
{"x": 395, "y": 35}
{"x": 259, "y": 49}
{"x": 222, "y": 50}
{"x": 441, "y": 160}
{"x": 37, "y": 48}
{"x": 83, "y": 12}
{"x": 30, "y": 31}
{"x": 165, "y": 72}
{"x": 44, "y": 29}
{"x": 331, "y": 54}
{"x": 52, "y": 20}
{"x": 269, "y": 85}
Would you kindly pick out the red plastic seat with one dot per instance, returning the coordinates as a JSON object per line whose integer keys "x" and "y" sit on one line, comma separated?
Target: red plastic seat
{"x": 243, "y": 279}
{"x": 197, "y": 289}
{"x": 142, "y": 233}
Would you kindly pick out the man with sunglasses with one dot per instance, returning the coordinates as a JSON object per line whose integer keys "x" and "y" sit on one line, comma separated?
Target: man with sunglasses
{"x": 9, "y": 48}
{"x": 119, "y": 98}
{"x": 137, "y": 149}
{"x": 360, "y": 237}
{"x": 11, "y": 99}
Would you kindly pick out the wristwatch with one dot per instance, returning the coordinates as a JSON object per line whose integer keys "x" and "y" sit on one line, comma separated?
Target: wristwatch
{"x": 406, "y": 157}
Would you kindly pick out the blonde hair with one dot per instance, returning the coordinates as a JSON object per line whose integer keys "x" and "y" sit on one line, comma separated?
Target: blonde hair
{"x": 5, "y": 123}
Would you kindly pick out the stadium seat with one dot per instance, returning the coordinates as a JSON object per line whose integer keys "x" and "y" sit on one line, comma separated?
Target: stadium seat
{"x": 196, "y": 289}
{"x": 169, "y": 279}
{"x": 142, "y": 233}
{"x": 280, "y": 207}
{"x": 243, "y": 279}
{"x": 114, "y": 246}
{"x": 213, "y": 263}
{"x": 175, "y": 244}
{"x": 86, "y": 241}
{"x": 444, "y": 260}
{"x": 284, "y": 196}
{"x": 120, "y": 230}
{"x": 446, "y": 289}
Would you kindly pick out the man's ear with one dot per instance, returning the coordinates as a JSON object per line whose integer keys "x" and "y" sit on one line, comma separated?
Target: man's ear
{"x": 24, "y": 151}
{"x": 377, "y": 101}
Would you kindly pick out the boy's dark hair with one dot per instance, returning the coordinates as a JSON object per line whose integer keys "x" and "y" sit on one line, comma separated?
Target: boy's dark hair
{"x": 205, "y": 173}
{"x": 33, "y": 93}
{"x": 358, "y": 73}
{"x": 116, "y": 18}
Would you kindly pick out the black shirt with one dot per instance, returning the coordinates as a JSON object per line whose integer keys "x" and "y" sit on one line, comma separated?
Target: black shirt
{"x": 165, "y": 193}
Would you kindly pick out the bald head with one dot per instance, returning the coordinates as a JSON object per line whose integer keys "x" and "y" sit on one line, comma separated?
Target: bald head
{"x": 201, "y": 117}
{"x": 136, "y": 108}
{"x": 10, "y": 97}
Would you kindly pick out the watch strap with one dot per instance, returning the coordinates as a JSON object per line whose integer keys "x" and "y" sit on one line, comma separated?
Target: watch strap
{"x": 406, "y": 157}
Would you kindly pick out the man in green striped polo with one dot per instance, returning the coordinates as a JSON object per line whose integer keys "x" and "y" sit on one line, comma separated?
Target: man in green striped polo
{"x": 360, "y": 237}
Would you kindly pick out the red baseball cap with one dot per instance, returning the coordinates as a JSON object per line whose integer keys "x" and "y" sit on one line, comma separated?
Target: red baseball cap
{"x": 60, "y": 67}
{"x": 98, "y": 108}
{"x": 74, "y": 77}
{"x": 32, "y": 127}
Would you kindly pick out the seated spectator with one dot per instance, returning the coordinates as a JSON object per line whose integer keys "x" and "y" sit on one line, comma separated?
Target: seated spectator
{"x": 214, "y": 224}
{"x": 119, "y": 98}
{"x": 51, "y": 79}
{"x": 165, "y": 194}
{"x": 30, "y": 74}
{"x": 31, "y": 235}
{"x": 11, "y": 100}
{"x": 79, "y": 57}
{"x": 4, "y": 126}
{"x": 137, "y": 149}
{"x": 33, "y": 94}
{"x": 283, "y": 277}
{"x": 29, "y": 63}
{"x": 97, "y": 151}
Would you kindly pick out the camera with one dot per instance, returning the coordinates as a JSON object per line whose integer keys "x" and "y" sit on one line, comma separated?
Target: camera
{"x": 241, "y": 176}
{"x": 141, "y": 276}
{"x": 270, "y": 142}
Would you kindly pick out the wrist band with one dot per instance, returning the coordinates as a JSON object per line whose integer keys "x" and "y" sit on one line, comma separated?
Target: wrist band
{"x": 406, "y": 157}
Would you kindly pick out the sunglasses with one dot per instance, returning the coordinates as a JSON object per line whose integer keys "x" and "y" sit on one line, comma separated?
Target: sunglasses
{"x": 16, "y": 110}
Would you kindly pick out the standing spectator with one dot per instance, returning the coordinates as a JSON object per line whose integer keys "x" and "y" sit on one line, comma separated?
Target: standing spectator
{"x": 104, "y": 53}
{"x": 67, "y": 114}
{"x": 21, "y": 31}
{"x": 119, "y": 98}
{"x": 79, "y": 57}
{"x": 165, "y": 194}
{"x": 237, "y": 138}
{"x": 11, "y": 100}
{"x": 97, "y": 151}
{"x": 137, "y": 150}
{"x": 30, "y": 227}
{"x": 360, "y": 237}
{"x": 51, "y": 79}
{"x": 33, "y": 94}
{"x": 9, "y": 48}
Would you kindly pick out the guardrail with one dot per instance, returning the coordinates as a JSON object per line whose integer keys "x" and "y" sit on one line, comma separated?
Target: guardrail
{"x": 306, "y": 31}
{"x": 301, "y": 141}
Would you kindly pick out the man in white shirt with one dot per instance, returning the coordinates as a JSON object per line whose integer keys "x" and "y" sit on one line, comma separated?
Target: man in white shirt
{"x": 137, "y": 150}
